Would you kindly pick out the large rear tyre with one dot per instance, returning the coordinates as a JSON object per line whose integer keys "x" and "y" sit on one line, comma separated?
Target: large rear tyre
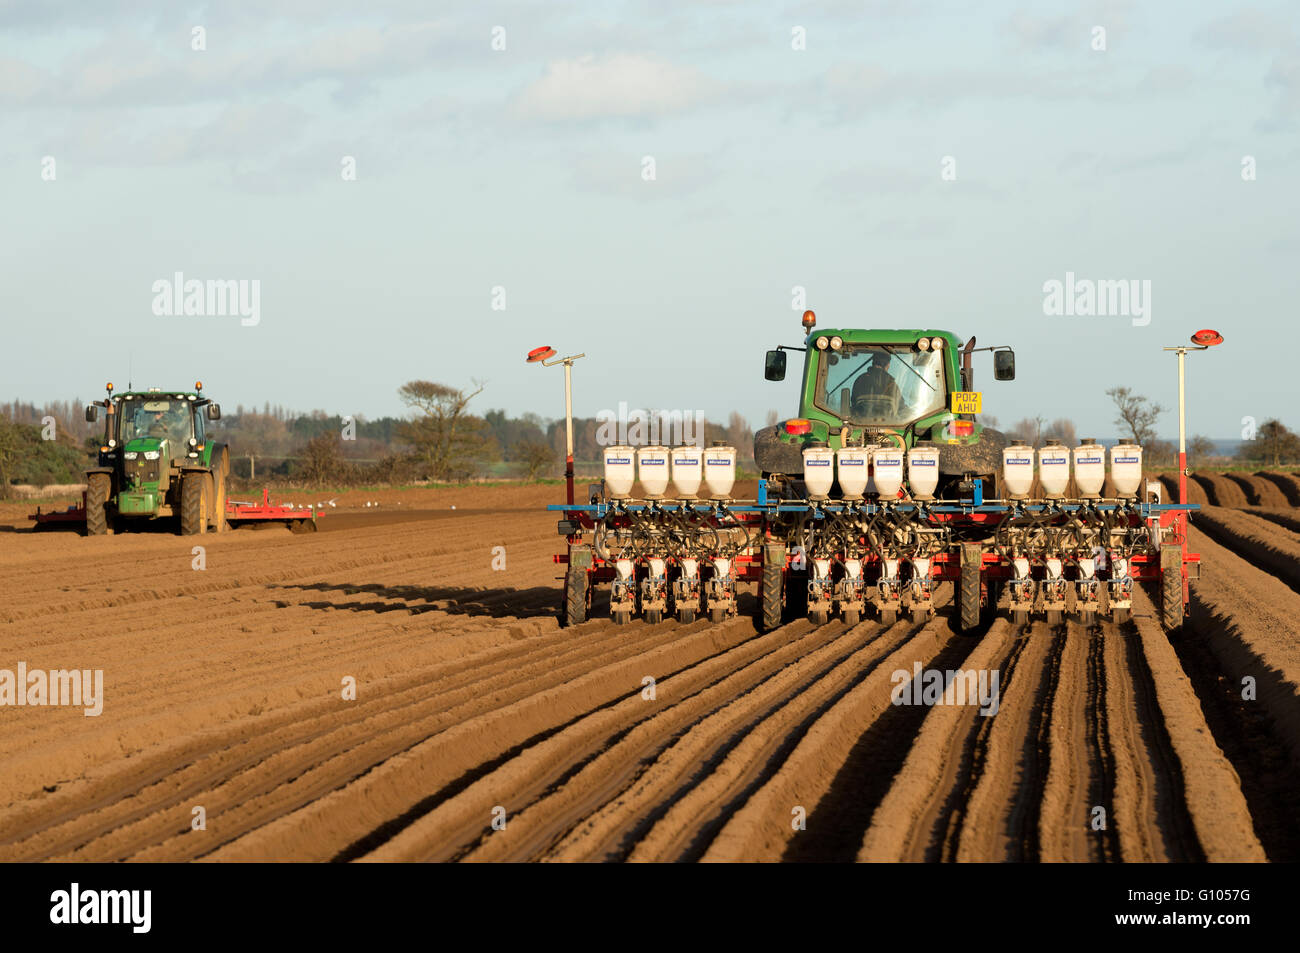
{"x": 770, "y": 593}
{"x": 968, "y": 588}
{"x": 575, "y": 597}
{"x": 1171, "y": 588}
{"x": 98, "y": 487}
{"x": 220, "y": 475}
{"x": 194, "y": 498}
{"x": 796, "y": 596}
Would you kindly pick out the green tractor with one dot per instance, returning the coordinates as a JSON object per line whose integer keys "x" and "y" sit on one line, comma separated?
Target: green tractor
{"x": 156, "y": 462}
{"x": 899, "y": 388}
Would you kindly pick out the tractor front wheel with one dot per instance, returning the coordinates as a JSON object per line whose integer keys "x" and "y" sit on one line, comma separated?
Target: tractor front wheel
{"x": 98, "y": 487}
{"x": 1171, "y": 588}
{"x": 576, "y": 594}
{"x": 194, "y": 500}
{"x": 968, "y": 588}
{"x": 770, "y": 594}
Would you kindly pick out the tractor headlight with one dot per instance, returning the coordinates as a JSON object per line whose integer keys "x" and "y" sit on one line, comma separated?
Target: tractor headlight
{"x": 837, "y": 342}
{"x": 923, "y": 344}
{"x": 151, "y": 454}
{"x": 130, "y": 455}
{"x": 822, "y": 343}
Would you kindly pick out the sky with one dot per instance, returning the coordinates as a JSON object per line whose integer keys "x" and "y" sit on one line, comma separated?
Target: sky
{"x": 430, "y": 190}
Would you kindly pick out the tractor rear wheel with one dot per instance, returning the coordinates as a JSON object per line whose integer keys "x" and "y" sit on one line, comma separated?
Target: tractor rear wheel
{"x": 796, "y": 596}
{"x": 770, "y": 594}
{"x": 98, "y": 486}
{"x": 220, "y": 473}
{"x": 194, "y": 493}
{"x": 1171, "y": 588}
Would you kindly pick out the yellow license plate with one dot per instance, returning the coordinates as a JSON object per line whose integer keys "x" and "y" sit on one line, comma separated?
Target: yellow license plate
{"x": 966, "y": 401}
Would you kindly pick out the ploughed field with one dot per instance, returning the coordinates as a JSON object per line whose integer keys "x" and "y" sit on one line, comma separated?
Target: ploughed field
{"x": 481, "y": 730}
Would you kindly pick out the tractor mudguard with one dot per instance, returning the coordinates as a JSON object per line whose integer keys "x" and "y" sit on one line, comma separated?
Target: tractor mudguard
{"x": 90, "y": 470}
{"x": 774, "y": 455}
{"x": 982, "y": 457}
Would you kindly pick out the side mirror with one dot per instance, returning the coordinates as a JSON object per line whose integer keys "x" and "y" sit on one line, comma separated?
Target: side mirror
{"x": 774, "y": 366}
{"x": 214, "y": 411}
{"x": 92, "y": 413}
{"x": 1004, "y": 365}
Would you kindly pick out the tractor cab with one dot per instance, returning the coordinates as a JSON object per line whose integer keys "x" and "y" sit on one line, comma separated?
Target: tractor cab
{"x": 898, "y": 388}
{"x": 156, "y": 460}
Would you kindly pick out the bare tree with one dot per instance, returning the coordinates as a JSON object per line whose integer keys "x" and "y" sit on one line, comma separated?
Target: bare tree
{"x": 450, "y": 441}
{"x": 1062, "y": 429}
{"x": 1030, "y": 430}
{"x": 323, "y": 460}
{"x": 1200, "y": 448}
{"x": 772, "y": 417}
{"x": 1273, "y": 445}
{"x": 534, "y": 456}
{"x": 1135, "y": 413}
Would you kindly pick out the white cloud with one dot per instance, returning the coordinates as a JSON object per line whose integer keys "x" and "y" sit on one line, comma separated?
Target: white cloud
{"x": 617, "y": 86}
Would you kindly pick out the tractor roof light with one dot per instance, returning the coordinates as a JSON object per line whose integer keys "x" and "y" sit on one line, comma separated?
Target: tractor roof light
{"x": 837, "y": 342}
{"x": 923, "y": 344}
{"x": 822, "y": 343}
{"x": 798, "y": 426}
{"x": 936, "y": 344}
{"x": 809, "y": 321}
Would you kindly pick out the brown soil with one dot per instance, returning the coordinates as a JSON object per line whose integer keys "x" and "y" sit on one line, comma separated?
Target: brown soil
{"x": 223, "y": 691}
{"x": 1219, "y": 490}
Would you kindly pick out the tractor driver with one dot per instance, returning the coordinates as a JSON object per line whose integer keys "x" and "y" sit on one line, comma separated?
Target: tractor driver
{"x": 876, "y": 381}
{"x": 163, "y": 423}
